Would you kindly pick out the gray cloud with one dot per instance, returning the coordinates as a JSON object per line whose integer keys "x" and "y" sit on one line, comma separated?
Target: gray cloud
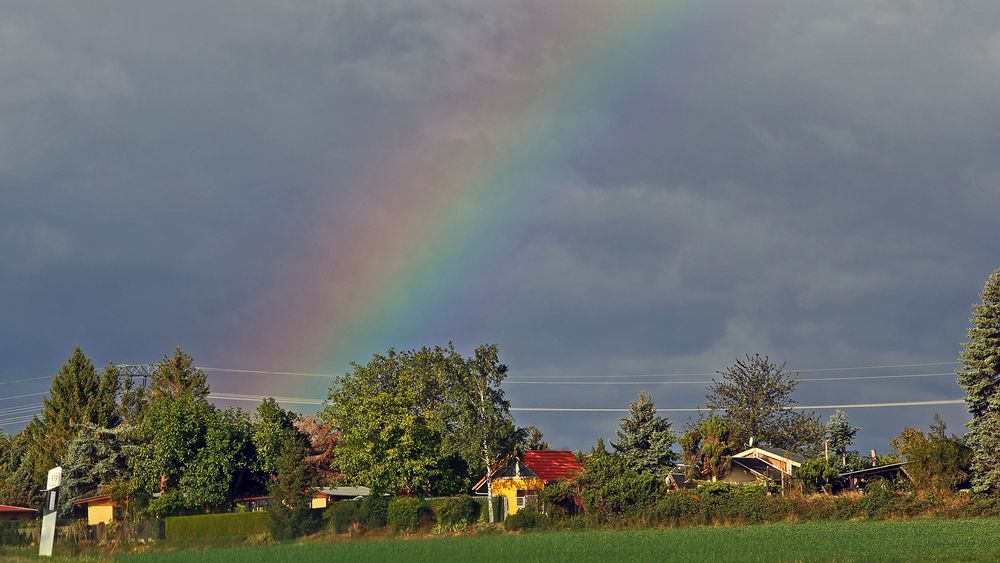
{"x": 810, "y": 180}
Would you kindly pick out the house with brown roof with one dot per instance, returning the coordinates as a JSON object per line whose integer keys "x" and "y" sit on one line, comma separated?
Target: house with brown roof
{"x": 8, "y": 512}
{"x": 762, "y": 463}
{"x": 101, "y": 509}
{"x": 518, "y": 477}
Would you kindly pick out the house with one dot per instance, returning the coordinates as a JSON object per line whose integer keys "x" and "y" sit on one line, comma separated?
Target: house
{"x": 762, "y": 463}
{"x": 856, "y": 480}
{"x": 518, "y": 477}
{"x": 678, "y": 480}
{"x": 319, "y": 498}
{"x": 100, "y": 509}
{"x": 8, "y": 512}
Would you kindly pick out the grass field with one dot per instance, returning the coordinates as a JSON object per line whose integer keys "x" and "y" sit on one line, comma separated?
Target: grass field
{"x": 913, "y": 540}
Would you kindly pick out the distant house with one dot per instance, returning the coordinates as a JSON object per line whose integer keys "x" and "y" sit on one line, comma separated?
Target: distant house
{"x": 856, "y": 480}
{"x": 518, "y": 477}
{"x": 100, "y": 509}
{"x": 678, "y": 480}
{"x": 319, "y": 498}
{"x": 762, "y": 463}
{"x": 8, "y": 512}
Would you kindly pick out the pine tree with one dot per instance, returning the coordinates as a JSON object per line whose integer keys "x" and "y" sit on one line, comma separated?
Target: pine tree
{"x": 646, "y": 440}
{"x": 77, "y": 397}
{"x": 177, "y": 376}
{"x": 289, "y": 514}
{"x": 979, "y": 377}
{"x": 534, "y": 439}
{"x": 840, "y": 433}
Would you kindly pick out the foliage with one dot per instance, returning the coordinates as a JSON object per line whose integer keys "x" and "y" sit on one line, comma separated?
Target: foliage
{"x": 534, "y": 439}
{"x": 289, "y": 511}
{"x": 980, "y": 377}
{"x": 211, "y": 526}
{"x": 840, "y": 433}
{"x": 19, "y": 483}
{"x": 817, "y": 475}
{"x": 406, "y": 418}
{"x": 609, "y": 485}
{"x": 645, "y": 440}
{"x": 272, "y": 429}
{"x": 524, "y": 519}
{"x": 407, "y": 514}
{"x": 458, "y": 510}
{"x": 373, "y": 511}
{"x": 77, "y": 396}
{"x": 95, "y": 463}
{"x": 707, "y": 448}
{"x": 754, "y": 395}
{"x": 341, "y": 514}
{"x": 321, "y": 442}
{"x": 176, "y": 376}
{"x": 11, "y": 534}
{"x": 935, "y": 461}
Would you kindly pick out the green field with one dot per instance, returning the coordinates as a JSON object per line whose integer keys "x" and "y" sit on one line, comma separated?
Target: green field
{"x": 950, "y": 540}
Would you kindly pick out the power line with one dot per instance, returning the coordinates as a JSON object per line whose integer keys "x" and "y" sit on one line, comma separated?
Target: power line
{"x": 25, "y": 379}
{"x": 23, "y": 396}
{"x": 706, "y": 381}
{"x": 795, "y": 407}
{"x": 856, "y": 368}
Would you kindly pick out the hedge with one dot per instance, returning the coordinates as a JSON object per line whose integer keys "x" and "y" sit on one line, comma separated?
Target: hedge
{"x": 11, "y": 534}
{"x": 407, "y": 514}
{"x": 209, "y": 526}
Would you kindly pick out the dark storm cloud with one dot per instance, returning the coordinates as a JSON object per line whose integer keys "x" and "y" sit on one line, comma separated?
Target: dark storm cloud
{"x": 809, "y": 180}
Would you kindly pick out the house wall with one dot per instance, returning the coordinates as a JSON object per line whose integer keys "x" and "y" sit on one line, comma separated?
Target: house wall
{"x": 101, "y": 512}
{"x": 739, "y": 475}
{"x": 17, "y": 515}
{"x": 318, "y": 502}
{"x": 508, "y": 487}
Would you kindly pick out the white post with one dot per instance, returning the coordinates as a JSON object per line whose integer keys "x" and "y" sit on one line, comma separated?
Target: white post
{"x": 50, "y": 512}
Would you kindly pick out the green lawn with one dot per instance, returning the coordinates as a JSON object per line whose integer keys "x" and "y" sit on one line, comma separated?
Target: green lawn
{"x": 966, "y": 539}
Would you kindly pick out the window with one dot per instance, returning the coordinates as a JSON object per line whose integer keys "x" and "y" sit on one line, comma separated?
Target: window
{"x": 520, "y": 502}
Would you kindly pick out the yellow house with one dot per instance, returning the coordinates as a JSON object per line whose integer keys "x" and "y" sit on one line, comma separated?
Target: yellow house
{"x": 517, "y": 478}
{"x": 100, "y": 509}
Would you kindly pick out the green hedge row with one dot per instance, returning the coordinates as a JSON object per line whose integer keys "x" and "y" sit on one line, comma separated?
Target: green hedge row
{"x": 403, "y": 514}
{"x": 11, "y": 533}
{"x": 209, "y": 526}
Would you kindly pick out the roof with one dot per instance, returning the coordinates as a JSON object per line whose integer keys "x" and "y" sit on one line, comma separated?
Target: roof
{"x": 92, "y": 499}
{"x": 547, "y": 465}
{"x": 755, "y": 465}
{"x": 8, "y": 509}
{"x": 346, "y": 491}
{"x": 679, "y": 479}
{"x": 874, "y": 470}
{"x": 550, "y": 465}
{"x": 774, "y": 452}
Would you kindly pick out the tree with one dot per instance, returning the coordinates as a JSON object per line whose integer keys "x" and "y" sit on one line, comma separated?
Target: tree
{"x": 77, "y": 397}
{"x": 19, "y": 484}
{"x": 755, "y": 395}
{"x": 485, "y": 428}
{"x": 979, "y": 377}
{"x": 534, "y": 439}
{"x": 390, "y": 416}
{"x": 645, "y": 440}
{"x": 96, "y": 464}
{"x": 321, "y": 444}
{"x": 935, "y": 461}
{"x": 272, "y": 429}
{"x": 840, "y": 433}
{"x": 715, "y": 448}
{"x": 289, "y": 513}
{"x": 176, "y": 376}
{"x": 817, "y": 474}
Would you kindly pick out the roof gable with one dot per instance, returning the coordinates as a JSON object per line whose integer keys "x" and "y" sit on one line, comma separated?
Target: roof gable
{"x": 6, "y": 508}
{"x": 779, "y": 453}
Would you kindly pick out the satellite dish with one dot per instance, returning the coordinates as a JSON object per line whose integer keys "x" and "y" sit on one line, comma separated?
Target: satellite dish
{"x": 750, "y": 443}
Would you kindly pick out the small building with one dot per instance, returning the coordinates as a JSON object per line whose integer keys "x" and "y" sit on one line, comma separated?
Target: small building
{"x": 856, "y": 480}
{"x": 518, "y": 477}
{"x": 318, "y": 498}
{"x": 100, "y": 509}
{"x": 780, "y": 459}
{"x": 8, "y": 512}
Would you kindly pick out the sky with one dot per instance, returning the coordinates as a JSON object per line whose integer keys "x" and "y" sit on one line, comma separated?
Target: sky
{"x": 609, "y": 191}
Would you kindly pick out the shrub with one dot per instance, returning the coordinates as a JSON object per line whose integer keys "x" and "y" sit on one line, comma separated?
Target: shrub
{"x": 209, "y": 526}
{"x": 407, "y": 513}
{"x": 341, "y": 514}
{"x": 11, "y": 534}
{"x": 608, "y": 485}
{"x": 877, "y": 500}
{"x": 454, "y": 511}
{"x": 524, "y": 519}
{"x": 373, "y": 512}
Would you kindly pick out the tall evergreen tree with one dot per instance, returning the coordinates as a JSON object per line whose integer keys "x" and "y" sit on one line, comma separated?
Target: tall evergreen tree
{"x": 645, "y": 440}
{"x": 177, "y": 375}
{"x": 534, "y": 440}
{"x": 271, "y": 430}
{"x": 77, "y": 397}
{"x": 840, "y": 433}
{"x": 289, "y": 514}
{"x": 979, "y": 377}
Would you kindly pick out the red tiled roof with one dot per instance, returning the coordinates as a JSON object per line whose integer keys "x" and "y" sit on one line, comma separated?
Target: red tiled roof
{"x": 550, "y": 465}
{"x": 17, "y": 509}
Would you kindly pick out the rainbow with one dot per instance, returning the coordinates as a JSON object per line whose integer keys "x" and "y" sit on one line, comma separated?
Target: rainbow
{"x": 437, "y": 218}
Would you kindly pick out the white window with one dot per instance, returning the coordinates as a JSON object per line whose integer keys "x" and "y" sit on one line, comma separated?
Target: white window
{"x": 521, "y": 502}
